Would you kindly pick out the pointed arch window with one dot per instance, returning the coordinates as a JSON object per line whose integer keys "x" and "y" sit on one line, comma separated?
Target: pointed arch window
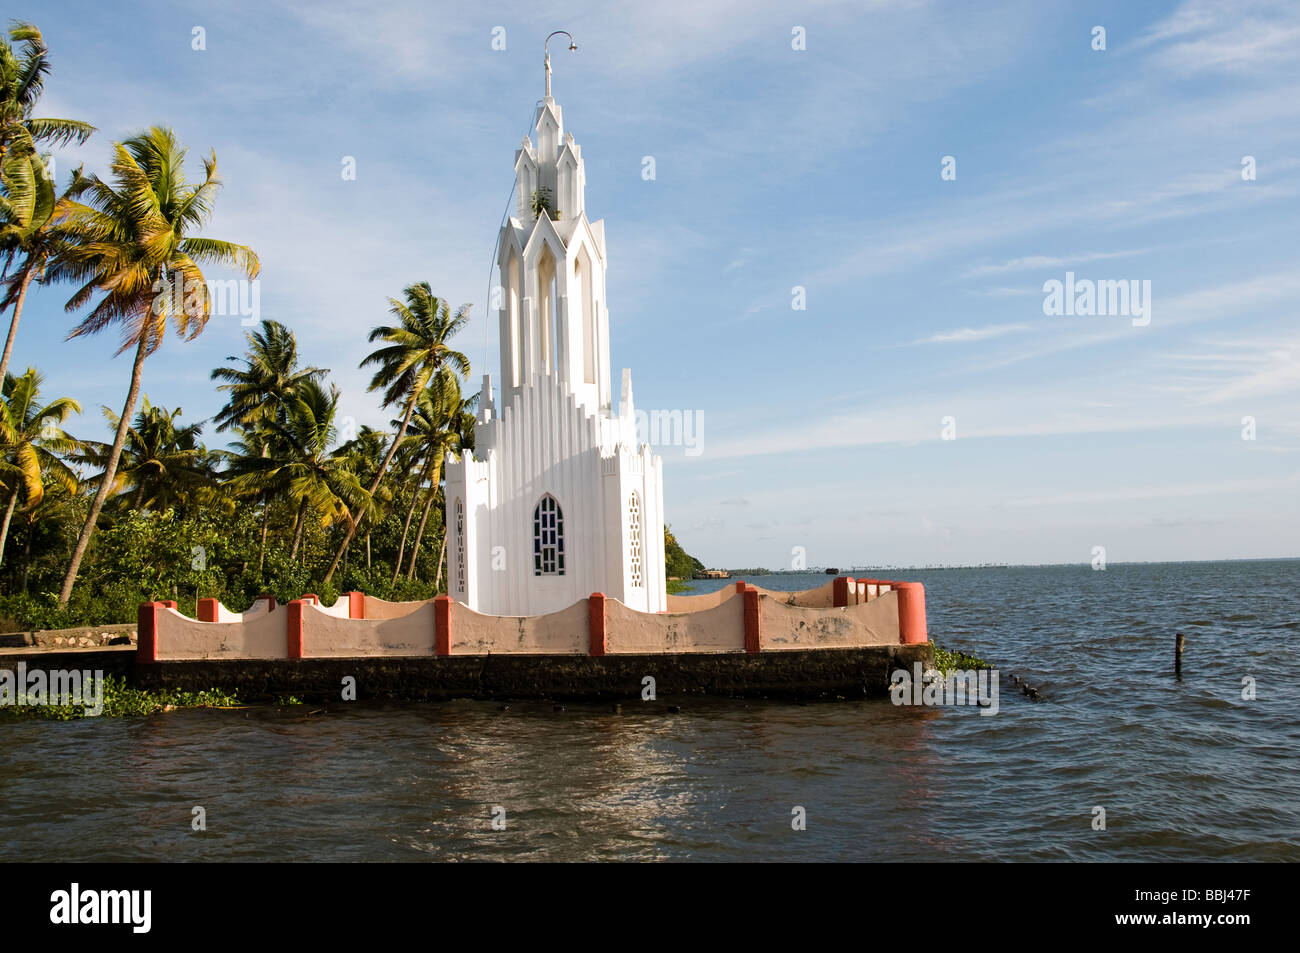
{"x": 548, "y": 538}
{"x": 460, "y": 546}
{"x": 634, "y": 537}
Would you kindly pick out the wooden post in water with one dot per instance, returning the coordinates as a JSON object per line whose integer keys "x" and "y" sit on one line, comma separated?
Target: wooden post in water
{"x": 1179, "y": 645}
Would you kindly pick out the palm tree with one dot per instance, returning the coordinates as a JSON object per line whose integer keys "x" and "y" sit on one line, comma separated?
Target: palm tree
{"x": 28, "y": 207}
{"x": 22, "y": 80}
{"x": 364, "y": 454}
{"x": 131, "y": 240}
{"x": 162, "y": 465}
{"x": 447, "y": 426}
{"x": 417, "y": 349}
{"x": 259, "y": 392}
{"x": 31, "y": 439}
{"x": 30, "y": 231}
{"x": 262, "y": 388}
{"x": 303, "y": 467}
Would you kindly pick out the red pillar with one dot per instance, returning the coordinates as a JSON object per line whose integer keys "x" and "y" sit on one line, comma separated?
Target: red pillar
{"x": 146, "y": 632}
{"x": 312, "y": 596}
{"x": 596, "y": 624}
{"x": 269, "y": 598}
{"x": 356, "y": 605}
{"x": 207, "y": 610}
{"x": 442, "y": 625}
{"x": 750, "y": 596}
{"x": 294, "y": 628}
{"x": 840, "y": 591}
{"x": 740, "y": 585}
{"x": 911, "y": 612}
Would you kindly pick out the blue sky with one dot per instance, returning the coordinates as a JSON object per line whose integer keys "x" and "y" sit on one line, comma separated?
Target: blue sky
{"x": 776, "y": 168}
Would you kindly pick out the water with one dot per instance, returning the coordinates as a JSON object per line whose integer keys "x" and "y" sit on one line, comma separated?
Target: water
{"x": 1184, "y": 770}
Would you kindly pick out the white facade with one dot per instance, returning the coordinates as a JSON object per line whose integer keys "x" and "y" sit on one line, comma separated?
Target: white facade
{"x": 559, "y": 500}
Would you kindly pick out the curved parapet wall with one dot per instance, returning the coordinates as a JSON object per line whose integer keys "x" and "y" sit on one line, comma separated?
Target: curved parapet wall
{"x": 865, "y": 613}
{"x": 211, "y": 610}
{"x": 718, "y": 629}
{"x": 784, "y": 626}
{"x": 819, "y": 597}
{"x": 383, "y": 609}
{"x": 326, "y": 634}
{"x": 179, "y": 637}
{"x": 559, "y": 633}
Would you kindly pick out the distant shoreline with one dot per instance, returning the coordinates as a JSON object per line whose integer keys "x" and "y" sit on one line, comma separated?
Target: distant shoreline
{"x": 819, "y": 570}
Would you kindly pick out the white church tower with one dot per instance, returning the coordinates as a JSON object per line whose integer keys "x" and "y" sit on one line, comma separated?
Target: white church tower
{"x": 559, "y": 500}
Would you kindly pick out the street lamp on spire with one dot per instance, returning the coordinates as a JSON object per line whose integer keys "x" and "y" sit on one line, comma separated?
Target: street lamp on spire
{"x": 573, "y": 47}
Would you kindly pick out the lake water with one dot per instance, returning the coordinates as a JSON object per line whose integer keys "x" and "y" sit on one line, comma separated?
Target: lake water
{"x": 1185, "y": 770}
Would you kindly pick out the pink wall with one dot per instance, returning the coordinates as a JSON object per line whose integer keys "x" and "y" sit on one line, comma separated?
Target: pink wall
{"x": 411, "y": 628}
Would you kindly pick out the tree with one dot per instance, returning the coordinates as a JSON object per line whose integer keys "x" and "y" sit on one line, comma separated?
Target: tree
{"x": 268, "y": 381}
{"x": 32, "y": 440}
{"x": 436, "y": 428}
{"x": 30, "y": 233}
{"x": 301, "y": 464}
{"x": 259, "y": 393}
{"x": 132, "y": 242}
{"x": 162, "y": 465}
{"x": 22, "y": 80}
{"x": 417, "y": 349}
{"x": 27, "y": 202}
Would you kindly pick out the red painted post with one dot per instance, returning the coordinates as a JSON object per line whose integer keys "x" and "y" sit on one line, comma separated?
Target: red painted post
{"x": 146, "y": 633}
{"x": 356, "y": 605}
{"x": 207, "y": 610}
{"x": 269, "y": 598}
{"x": 840, "y": 591}
{"x": 596, "y": 634}
{"x": 442, "y": 625}
{"x": 169, "y": 603}
{"x": 293, "y": 629}
{"x": 740, "y": 585}
{"x": 312, "y": 596}
{"x": 911, "y": 613}
{"x": 750, "y": 596}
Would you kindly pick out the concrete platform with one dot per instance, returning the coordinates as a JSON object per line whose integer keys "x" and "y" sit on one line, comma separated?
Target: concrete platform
{"x": 796, "y": 674}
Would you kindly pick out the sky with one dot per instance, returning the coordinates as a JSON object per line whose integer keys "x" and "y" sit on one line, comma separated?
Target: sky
{"x": 838, "y": 271}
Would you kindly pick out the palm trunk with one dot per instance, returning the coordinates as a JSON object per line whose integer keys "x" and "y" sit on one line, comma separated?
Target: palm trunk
{"x": 297, "y": 528}
{"x": 406, "y": 527}
{"x": 428, "y": 503}
{"x": 367, "y": 549}
{"x": 388, "y": 458}
{"x": 9, "y": 515}
{"x": 442, "y": 551}
{"x": 13, "y": 323}
{"x": 83, "y": 541}
{"x": 419, "y": 534}
{"x": 261, "y": 549}
{"x": 27, "y": 555}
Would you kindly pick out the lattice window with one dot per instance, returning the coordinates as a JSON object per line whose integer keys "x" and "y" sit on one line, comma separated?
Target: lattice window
{"x": 634, "y": 537}
{"x": 460, "y": 546}
{"x": 548, "y": 538}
